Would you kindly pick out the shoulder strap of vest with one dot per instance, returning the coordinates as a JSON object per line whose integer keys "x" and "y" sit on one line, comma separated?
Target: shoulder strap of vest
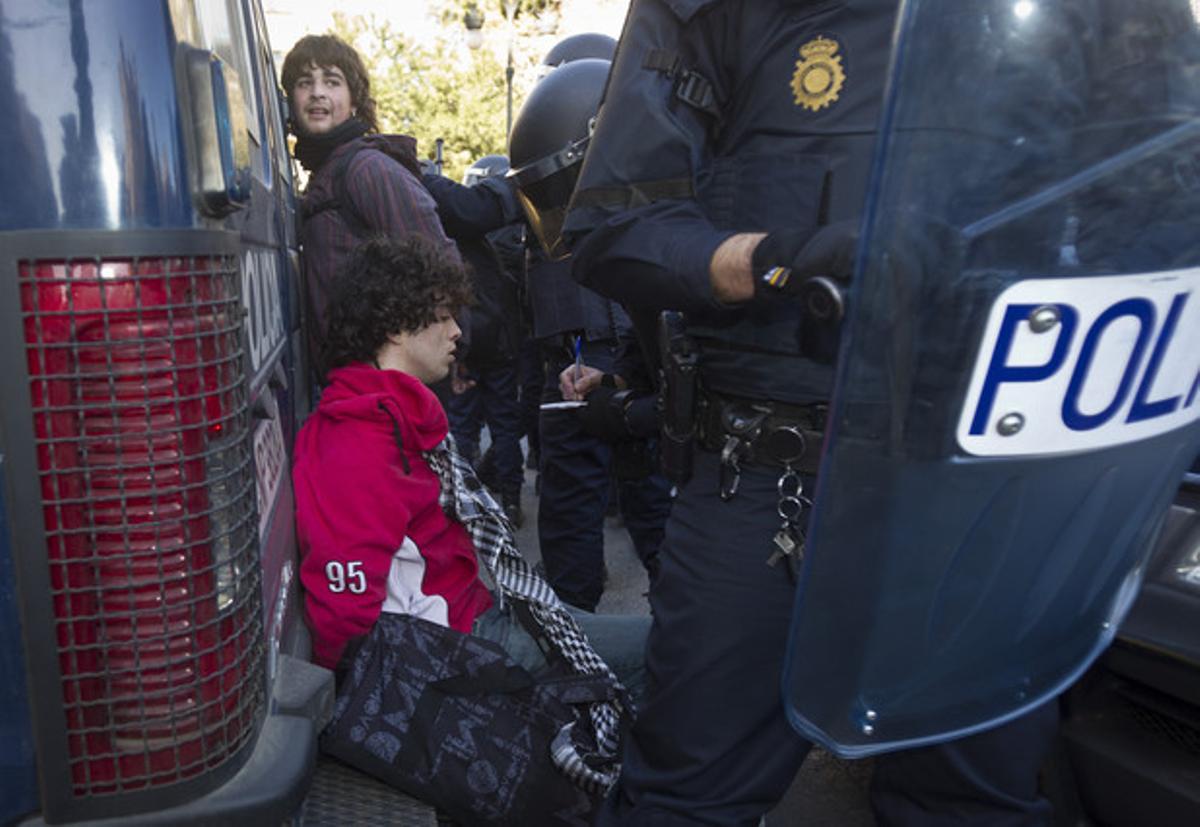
{"x": 690, "y": 86}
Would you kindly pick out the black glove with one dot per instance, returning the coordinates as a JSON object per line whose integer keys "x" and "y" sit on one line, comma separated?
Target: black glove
{"x": 815, "y": 267}
{"x": 604, "y": 415}
{"x": 641, "y": 415}
{"x": 812, "y": 266}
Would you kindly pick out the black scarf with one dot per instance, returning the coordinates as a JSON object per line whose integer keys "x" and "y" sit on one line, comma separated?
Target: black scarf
{"x": 313, "y": 150}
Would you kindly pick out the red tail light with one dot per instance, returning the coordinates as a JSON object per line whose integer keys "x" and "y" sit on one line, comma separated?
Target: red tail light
{"x": 139, "y": 403}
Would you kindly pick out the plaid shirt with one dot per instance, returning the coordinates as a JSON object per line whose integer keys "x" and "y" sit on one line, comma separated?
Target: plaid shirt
{"x": 382, "y": 194}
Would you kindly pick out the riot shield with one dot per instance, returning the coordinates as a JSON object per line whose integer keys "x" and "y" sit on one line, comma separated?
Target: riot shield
{"x": 1018, "y": 392}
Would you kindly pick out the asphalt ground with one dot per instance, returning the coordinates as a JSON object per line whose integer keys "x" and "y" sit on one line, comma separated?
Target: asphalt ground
{"x": 827, "y": 790}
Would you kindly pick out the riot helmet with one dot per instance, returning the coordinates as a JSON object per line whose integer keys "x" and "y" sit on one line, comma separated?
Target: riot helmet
{"x": 591, "y": 45}
{"x": 488, "y": 166}
{"x": 548, "y": 140}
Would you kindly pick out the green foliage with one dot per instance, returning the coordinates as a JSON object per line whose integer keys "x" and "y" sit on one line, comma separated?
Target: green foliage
{"x": 442, "y": 89}
{"x": 451, "y": 11}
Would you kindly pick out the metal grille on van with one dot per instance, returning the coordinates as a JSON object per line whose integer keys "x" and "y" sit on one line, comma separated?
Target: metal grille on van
{"x": 1167, "y": 728}
{"x": 138, "y": 390}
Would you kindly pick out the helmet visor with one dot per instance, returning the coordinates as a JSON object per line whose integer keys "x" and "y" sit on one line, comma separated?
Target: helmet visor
{"x": 544, "y": 189}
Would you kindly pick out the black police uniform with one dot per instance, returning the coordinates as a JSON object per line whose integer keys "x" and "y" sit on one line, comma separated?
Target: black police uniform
{"x": 491, "y": 364}
{"x": 764, "y": 118}
{"x": 468, "y": 214}
{"x": 576, "y": 466}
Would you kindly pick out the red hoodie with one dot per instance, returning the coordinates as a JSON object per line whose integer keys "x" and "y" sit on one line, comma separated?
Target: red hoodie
{"x": 372, "y": 535}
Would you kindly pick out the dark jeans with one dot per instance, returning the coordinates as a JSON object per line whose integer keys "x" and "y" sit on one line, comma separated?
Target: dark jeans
{"x": 619, "y": 640}
{"x": 493, "y": 402}
{"x": 576, "y": 473}
{"x": 712, "y": 743}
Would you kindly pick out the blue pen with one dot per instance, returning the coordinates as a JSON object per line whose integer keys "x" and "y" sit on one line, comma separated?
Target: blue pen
{"x": 578, "y": 358}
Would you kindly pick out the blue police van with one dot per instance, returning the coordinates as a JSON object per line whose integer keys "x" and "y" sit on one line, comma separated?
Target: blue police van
{"x": 1129, "y": 747}
{"x": 152, "y": 660}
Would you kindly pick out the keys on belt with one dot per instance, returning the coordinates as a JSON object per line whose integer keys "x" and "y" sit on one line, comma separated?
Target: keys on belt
{"x": 789, "y": 540}
{"x": 784, "y": 445}
{"x": 765, "y": 433}
{"x": 741, "y": 426}
{"x": 750, "y": 436}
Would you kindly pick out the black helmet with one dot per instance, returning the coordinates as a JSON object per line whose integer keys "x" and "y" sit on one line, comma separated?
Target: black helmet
{"x": 578, "y": 47}
{"x": 486, "y": 167}
{"x": 549, "y": 137}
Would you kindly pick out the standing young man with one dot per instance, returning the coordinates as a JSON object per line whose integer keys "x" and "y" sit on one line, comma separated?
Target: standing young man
{"x": 361, "y": 183}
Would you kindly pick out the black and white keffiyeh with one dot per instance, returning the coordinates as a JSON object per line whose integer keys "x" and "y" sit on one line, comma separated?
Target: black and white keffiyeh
{"x": 591, "y": 759}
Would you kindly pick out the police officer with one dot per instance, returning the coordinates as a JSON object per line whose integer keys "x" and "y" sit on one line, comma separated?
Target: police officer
{"x": 488, "y": 392}
{"x": 573, "y": 324}
{"x": 726, "y": 173}
{"x": 468, "y": 215}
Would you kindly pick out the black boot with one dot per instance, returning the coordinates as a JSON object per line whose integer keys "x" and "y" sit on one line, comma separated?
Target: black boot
{"x": 511, "y": 502}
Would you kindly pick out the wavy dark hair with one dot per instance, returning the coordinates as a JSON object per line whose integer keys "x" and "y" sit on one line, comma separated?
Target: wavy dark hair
{"x": 330, "y": 50}
{"x": 389, "y": 285}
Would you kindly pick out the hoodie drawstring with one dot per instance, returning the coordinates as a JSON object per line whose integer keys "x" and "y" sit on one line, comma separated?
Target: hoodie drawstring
{"x": 396, "y": 434}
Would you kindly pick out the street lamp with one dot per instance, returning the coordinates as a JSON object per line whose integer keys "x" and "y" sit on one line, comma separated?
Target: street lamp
{"x": 473, "y": 21}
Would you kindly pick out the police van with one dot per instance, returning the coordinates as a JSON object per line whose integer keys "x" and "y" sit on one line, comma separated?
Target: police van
{"x": 151, "y": 652}
{"x": 1129, "y": 751}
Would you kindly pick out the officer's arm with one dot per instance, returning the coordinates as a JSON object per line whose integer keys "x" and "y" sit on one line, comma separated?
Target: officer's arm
{"x": 472, "y": 211}
{"x": 730, "y": 272}
{"x": 657, "y": 257}
{"x": 730, "y": 278}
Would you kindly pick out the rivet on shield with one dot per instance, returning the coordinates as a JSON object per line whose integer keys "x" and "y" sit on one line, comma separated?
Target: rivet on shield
{"x": 872, "y": 715}
{"x": 868, "y": 729}
{"x": 1044, "y": 318}
{"x": 1010, "y": 424}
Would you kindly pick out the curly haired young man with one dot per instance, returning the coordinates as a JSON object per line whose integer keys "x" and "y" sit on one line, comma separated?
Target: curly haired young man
{"x": 370, "y": 471}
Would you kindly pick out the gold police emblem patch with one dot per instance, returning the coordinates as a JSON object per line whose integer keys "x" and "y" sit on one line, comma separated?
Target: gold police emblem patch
{"x": 819, "y": 76}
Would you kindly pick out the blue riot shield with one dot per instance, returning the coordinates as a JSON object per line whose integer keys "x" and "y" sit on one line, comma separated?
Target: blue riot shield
{"x": 1018, "y": 391}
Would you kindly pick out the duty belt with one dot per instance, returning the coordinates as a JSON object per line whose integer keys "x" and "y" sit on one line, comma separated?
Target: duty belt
{"x": 762, "y": 433}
